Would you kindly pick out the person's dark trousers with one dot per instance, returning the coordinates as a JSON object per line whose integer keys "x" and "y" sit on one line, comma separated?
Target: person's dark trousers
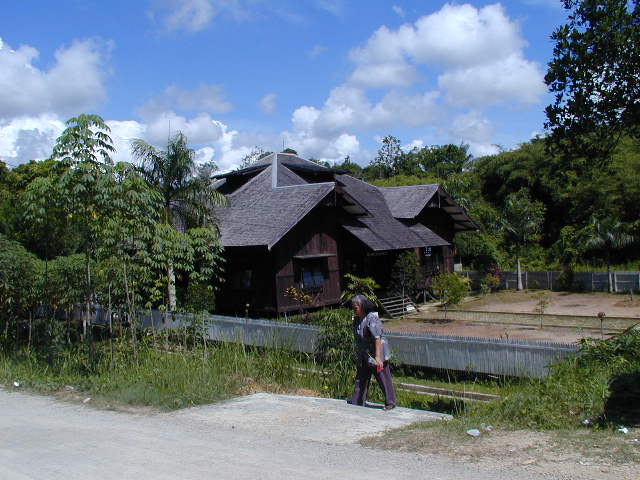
{"x": 363, "y": 378}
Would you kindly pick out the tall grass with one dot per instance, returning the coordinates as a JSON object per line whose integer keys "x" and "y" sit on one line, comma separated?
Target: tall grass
{"x": 165, "y": 378}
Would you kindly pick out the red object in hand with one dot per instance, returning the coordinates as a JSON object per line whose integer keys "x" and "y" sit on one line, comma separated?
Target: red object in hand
{"x": 379, "y": 367}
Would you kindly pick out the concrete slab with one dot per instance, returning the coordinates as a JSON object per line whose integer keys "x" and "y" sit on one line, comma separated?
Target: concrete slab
{"x": 305, "y": 418}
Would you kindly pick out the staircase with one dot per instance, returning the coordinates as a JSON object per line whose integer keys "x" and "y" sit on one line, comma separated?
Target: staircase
{"x": 398, "y": 306}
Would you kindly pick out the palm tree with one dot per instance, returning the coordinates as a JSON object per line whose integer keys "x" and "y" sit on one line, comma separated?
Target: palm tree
{"x": 188, "y": 198}
{"x": 609, "y": 234}
{"x": 523, "y": 219}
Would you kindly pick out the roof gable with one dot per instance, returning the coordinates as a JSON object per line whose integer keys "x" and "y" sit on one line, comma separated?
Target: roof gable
{"x": 258, "y": 214}
{"x": 407, "y": 202}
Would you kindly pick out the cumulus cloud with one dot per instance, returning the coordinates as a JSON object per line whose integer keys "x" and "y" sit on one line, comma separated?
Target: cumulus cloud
{"x": 73, "y": 84}
{"x": 205, "y": 98}
{"x": 28, "y": 138}
{"x": 348, "y": 108}
{"x": 335, "y": 7}
{"x": 316, "y": 50}
{"x": 479, "y": 52}
{"x": 190, "y": 15}
{"x": 476, "y": 131}
{"x": 398, "y": 10}
{"x": 268, "y": 103}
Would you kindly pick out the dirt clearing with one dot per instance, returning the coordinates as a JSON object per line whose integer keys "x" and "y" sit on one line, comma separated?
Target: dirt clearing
{"x": 429, "y": 320}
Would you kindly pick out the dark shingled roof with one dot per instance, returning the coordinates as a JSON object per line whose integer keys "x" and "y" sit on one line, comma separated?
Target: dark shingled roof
{"x": 379, "y": 230}
{"x": 430, "y": 238}
{"x": 408, "y": 202}
{"x": 269, "y": 198}
{"x": 261, "y": 215}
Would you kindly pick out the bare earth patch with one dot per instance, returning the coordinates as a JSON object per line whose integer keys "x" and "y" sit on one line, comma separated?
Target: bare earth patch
{"x": 484, "y": 330}
{"x": 583, "y": 454}
{"x": 560, "y": 303}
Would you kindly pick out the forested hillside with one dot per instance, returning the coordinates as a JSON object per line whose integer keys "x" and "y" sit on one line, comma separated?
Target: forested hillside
{"x": 528, "y": 201}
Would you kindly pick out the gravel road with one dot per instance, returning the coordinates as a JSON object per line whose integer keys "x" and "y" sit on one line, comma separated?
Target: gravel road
{"x": 259, "y": 436}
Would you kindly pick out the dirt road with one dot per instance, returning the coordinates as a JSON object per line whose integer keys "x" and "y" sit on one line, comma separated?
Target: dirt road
{"x": 261, "y": 436}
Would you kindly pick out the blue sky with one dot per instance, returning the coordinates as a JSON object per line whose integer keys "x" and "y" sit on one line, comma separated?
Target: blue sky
{"x": 328, "y": 78}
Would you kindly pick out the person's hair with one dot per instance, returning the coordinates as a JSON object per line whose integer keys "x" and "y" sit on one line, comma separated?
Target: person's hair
{"x": 367, "y": 305}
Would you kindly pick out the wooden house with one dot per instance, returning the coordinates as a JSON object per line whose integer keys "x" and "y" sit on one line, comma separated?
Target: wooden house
{"x": 292, "y": 222}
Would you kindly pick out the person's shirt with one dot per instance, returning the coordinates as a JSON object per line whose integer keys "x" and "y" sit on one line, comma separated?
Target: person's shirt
{"x": 366, "y": 331}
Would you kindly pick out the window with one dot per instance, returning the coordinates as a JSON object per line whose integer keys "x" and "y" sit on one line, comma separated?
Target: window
{"x": 313, "y": 272}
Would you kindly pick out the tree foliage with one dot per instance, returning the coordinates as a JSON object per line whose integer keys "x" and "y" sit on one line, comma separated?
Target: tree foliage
{"x": 594, "y": 74}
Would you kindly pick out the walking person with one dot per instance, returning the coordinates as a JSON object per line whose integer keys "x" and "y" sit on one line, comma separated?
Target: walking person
{"x": 373, "y": 353}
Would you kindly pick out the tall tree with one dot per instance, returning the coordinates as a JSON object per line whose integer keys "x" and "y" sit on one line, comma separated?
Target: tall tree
{"x": 83, "y": 165}
{"x": 388, "y": 157}
{"x": 523, "y": 223}
{"x": 188, "y": 199}
{"x": 444, "y": 160}
{"x": 594, "y": 73}
{"x": 608, "y": 234}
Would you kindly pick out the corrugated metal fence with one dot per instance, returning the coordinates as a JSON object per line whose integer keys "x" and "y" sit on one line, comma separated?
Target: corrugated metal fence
{"x": 492, "y": 356}
{"x": 621, "y": 281}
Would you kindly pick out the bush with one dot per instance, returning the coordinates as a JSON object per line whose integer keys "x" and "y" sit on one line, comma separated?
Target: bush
{"x": 450, "y": 288}
{"x": 406, "y": 275}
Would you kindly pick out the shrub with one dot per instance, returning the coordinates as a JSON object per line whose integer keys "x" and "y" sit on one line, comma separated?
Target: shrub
{"x": 406, "y": 275}
{"x": 450, "y": 288}
{"x": 359, "y": 285}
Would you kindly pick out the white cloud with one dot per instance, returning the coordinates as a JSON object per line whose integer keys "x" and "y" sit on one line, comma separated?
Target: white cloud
{"x": 268, "y": 103}
{"x": 200, "y": 129}
{"x": 73, "y": 84}
{"x": 476, "y": 131}
{"x": 398, "y": 10}
{"x": 519, "y": 80}
{"x": 394, "y": 74}
{"x": 416, "y": 143}
{"x": 191, "y": 15}
{"x": 479, "y": 52}
{"x": 334, "y": 7}
{"x": 348, "y": 108}
{"x": 316, "y": 50}
{"x": 122, "y": 132}
{"x": 29, "y": 138}
{"x": 205, "y": 98}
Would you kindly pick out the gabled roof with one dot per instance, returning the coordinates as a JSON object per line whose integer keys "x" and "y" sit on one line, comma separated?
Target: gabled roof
{"x": 269, "y": 198}
{"x": 379, "y": 230}
{"x": 261, "y": 215}
{"x": 407, "y": 202}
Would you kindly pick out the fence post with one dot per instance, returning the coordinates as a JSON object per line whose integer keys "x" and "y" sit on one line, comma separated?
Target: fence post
{"x": 615, "y": 282}
{"x": 526, "y": 279}
{"x": 593, "y": 287}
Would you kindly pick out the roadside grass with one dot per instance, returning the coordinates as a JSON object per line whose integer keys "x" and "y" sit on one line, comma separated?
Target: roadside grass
{"x": 165, "y": 379}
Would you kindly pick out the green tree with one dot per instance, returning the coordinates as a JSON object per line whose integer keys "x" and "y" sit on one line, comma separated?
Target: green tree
{"x": 445, "y": 160}
{"x": 83, "y": 164}
{"x": 388, "y": 157}
{"x": 450, "y": 289}
{"x": 188, "y": 199}
{"x": 252, "y": 157}
{"x": 594, "y": 74}
{"x": 523, "y": 223}
{"x": 359, "y": 285}
{"x": 608, "y": 234}
{"x": 406, "y": 275}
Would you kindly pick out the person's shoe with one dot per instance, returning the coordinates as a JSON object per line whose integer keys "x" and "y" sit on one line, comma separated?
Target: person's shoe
{"x": 389, "y": 407}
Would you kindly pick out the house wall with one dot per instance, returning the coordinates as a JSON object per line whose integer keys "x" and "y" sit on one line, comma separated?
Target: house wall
{"x": 314, "y": 235}
{"x": 248, "y": 281}
{"x": 440, "y": 223}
